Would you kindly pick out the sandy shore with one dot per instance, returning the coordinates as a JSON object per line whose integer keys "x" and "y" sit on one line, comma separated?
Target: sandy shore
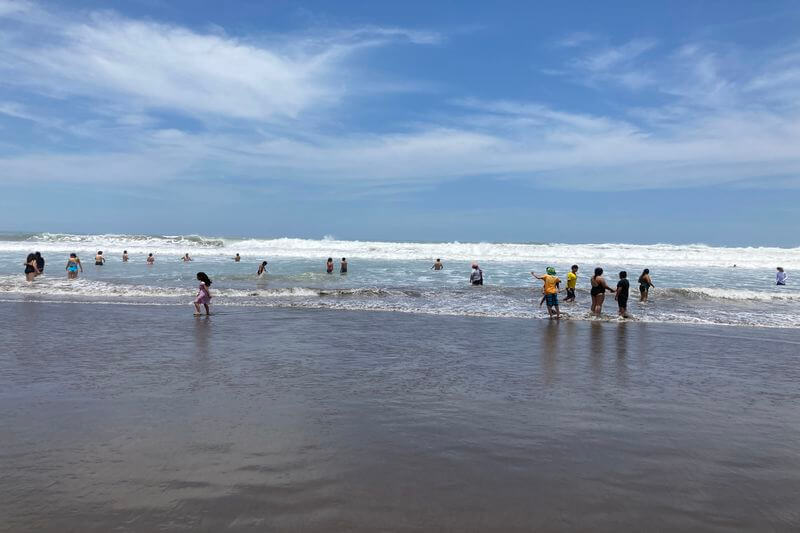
{"x": 140, "y": 418}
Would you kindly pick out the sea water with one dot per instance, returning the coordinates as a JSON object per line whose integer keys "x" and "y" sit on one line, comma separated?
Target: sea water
{"x": 693, "y": 283}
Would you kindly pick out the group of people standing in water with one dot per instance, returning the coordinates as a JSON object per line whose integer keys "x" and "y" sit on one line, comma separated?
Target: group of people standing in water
{"x": 552, "y": 287}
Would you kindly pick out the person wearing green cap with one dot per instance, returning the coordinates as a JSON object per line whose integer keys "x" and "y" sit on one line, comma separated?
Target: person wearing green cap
{"x": 551, "y": 288}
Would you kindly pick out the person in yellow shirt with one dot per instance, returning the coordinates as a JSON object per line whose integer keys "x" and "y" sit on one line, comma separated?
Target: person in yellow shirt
{"x": 572, "y": 281}
{"x": 551, "y": 288}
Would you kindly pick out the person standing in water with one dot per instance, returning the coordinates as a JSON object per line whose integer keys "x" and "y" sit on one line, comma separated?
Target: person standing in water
{"x": 572, "y": 281}
{"x": 186, "y": 258}
{"x": 125, "y": 256}
{"x": 437, "y": 265}
{"x": 99, "y": 260}
{"x": 73, "y": 264}
{"x": 343, "y": 266}
{"x": 150, "y": 259}
{"x": 237, "y": 258}
{"x": 621, "y": 295}
{"x": 329, "y": 265}
{"x": 780, "y": 277}
{"x": 476, "y": 276}
{"x": 31, "y": 269}
{"x": 262, "y": 269}
{"x": 551, "y": 287}
{"x": 39, "y": 263}
{"x": 644, "y": 285}
{"x": 598, "y": 292}
{"x": 203, "y": 294}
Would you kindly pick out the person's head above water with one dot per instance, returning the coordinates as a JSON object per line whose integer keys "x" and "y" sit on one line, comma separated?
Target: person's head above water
{"x": 574, "y": 268}
{"x": 124, "y": 251}
{"x": 330, "y": 259}
{"x": 598, "y": 271}
{"x": 438, "y": 260}
{"x": 646, "y": 271}
{"x": 474, "y": 265}
{"x": 623, "y": 275}
{"x": 263, "y": 263}
{"x": 202, "y": 276}
{"x": 344, "y": 259}
{"x": 73, "y": 255}
{"x": 149, "y": 255}
{"x": 37, "y": 254}
{"x": 99, "y": 252}
{"x": 780, "y": 269}
{"x": 551, "y": 271}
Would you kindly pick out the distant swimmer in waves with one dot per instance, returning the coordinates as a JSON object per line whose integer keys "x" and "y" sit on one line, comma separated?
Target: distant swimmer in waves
{"x": 644, "y": 285}
{"x": 125, "y": 256}
{"x": 39, "y": 263}
{"x": 186, "y": 258}
{"x": 551, "y": 288}
{"x": 329, "y": 265}
{"x": 262, "y": 269}
{"x": 237, "y": 258}
{"x": 73, "y": 265}
{"x": 150, "y": 259}
{"x": 99, "y": 260}
{"x": 621, "y": 295}
{"x": 780, "y": 277}
{"x": 437, "y": 265}
{"x": 598, "y": 292}
{"x": 31, "y": 269}
{"x": 476, "y": 276}
{"x": 203, "y": 294}
{"x": 343, "y": 266}
{"x": 572, "y": 281}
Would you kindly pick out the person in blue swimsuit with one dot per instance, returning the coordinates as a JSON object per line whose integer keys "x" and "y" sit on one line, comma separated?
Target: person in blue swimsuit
{"x": 780, "y": 277}
{"x": 73, "y": 264}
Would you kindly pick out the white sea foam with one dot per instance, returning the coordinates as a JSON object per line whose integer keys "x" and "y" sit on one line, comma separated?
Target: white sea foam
{"x": 633, "y": 255}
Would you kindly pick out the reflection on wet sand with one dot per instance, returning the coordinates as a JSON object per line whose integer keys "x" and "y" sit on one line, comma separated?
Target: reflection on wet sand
{"x": 323, "y": 421}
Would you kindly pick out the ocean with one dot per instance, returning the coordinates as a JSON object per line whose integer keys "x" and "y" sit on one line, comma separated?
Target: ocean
{"x": 694, "y": 284}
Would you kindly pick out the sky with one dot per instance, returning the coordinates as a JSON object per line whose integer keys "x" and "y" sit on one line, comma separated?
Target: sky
{"x": 520, "y": 121}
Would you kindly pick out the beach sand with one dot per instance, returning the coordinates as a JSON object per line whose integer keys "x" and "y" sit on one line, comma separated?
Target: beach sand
{"x": 143, "y": 418}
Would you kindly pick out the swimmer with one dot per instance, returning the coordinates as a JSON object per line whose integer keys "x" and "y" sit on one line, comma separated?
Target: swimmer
{"x": 780, "y": 277}
{"x": 437, "y": 265}
{"x": 73, "y": 264}
{"x": 551, "y": 287}
{"x": 476, "y": 276}
{"x": 598, "y": 292}
{"x": 99, "y": 260}
{"x": 39, "y": 263}
{"x": 203, "y": 294}
{"x": 621, "y": 294}
{"x": 572, "y": 281}
{"x": 343, "y": 266}
{"x": 186, "y": 258}
{"x": 329, "y": 265}
{"x": 31, "y": 269}
{"x": 150, "y": 259}
{"x": 644, "y": 285}
{"x": 125, "y": 256}
{"x": 262, "y": 269}
{"x": 237, "y": 258}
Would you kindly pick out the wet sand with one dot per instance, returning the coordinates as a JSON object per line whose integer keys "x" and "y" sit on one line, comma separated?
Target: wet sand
{"x": 143, "y": 418}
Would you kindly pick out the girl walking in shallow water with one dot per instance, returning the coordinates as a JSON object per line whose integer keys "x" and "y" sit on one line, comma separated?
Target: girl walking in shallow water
{"x": 203, "y": 294}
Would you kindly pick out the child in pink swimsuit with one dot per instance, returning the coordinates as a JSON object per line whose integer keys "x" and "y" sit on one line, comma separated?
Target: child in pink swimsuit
{"x": 203, "y": 294}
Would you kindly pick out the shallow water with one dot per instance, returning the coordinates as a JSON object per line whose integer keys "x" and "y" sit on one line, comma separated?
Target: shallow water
{"x": 694, "y": 283}
{"x": 143, "y": 418}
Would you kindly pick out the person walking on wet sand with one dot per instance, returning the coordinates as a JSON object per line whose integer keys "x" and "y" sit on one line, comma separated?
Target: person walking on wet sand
{"x": 203, "y": 294}
{"x": 644, "y": 285}
{"x": 31, "y": 269}
{"x": 329, "y": 265}
{"x": 343, "y": 267}
{"x": 476, "y": 276}
{"x": 73, "y": 264}
{"x": 621, "y": 295}
{"x": 437, "y": 265}
{"x": 598, "y": 292}
{"x": 551, "y": 287}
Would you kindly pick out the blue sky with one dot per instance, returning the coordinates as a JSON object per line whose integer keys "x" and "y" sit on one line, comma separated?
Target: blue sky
{"x": 587, "y": 122}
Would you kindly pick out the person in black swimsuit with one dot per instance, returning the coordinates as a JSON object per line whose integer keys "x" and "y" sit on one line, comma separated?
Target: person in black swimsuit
{"x": 621, "y": 296}
{"x": 598, "y": 292}
{"x": 31, "y": 270}
{"x": 39, "y": 263}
